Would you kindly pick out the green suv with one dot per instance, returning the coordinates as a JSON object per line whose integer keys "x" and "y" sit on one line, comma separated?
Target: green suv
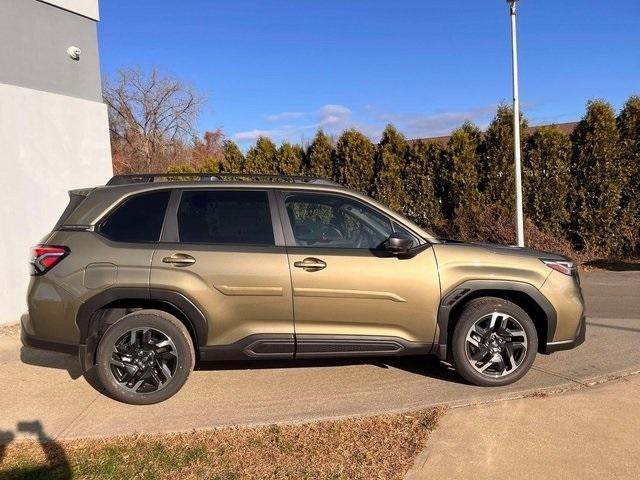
{"x": 146, "y": 276}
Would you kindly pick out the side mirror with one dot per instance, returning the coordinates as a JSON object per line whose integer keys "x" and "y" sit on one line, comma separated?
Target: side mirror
{"x": 399, "y": 243}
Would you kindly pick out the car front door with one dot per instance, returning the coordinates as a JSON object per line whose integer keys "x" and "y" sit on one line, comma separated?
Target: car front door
{"x": 350, "y": 295}
{"x": 224, "y": 251}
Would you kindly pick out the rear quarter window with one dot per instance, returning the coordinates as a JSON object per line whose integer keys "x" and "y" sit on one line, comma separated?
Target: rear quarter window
{"x": 138, "y": 219}
{"x": 75, "y": 199}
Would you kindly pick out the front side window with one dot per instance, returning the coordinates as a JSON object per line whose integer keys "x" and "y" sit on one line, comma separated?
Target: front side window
{"x": 225, "y": 217}
{"x": 335, "y": 222}
{"x": 138, "y": 219}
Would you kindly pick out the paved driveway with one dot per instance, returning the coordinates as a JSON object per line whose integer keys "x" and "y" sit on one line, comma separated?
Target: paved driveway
{"x": 46, "y": 387}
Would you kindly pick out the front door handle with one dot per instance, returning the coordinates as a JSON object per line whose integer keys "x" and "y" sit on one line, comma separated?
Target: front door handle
{"x": 311, "y": 264}
{"x": 179, "y": 259}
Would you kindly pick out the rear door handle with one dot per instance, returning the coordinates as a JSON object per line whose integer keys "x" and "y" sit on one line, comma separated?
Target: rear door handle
{"x": 179, "y": 259}
{"x": 310, "y": 264}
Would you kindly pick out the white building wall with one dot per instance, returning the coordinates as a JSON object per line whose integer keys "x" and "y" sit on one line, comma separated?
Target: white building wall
{"x": 54, "y": 132}
{"x": 49, "y": 144}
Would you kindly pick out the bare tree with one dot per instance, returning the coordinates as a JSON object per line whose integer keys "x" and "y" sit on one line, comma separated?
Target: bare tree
{"x": 209, "y": 152}
{"x": 152, "y": 120}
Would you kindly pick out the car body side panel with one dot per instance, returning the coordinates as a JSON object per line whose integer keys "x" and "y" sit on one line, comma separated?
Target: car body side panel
{"x": 458, "y": 263}
{"x": 364, "y": 293}
{"x": 565, "y": 295}
{"x": 93, "y": 265}
{"x": 242, "y": 290}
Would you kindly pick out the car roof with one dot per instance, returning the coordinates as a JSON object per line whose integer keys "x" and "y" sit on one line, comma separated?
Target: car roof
{"x": 102, "y": 200}
{"x": 215, "y": 177}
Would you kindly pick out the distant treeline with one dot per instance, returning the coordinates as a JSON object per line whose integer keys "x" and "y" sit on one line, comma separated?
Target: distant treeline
{"x": 581, "y": 190}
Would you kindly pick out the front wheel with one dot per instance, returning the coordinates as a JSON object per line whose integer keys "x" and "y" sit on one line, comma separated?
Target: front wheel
{"x": 494, "y": 342}
{"x": 145, "y": 357}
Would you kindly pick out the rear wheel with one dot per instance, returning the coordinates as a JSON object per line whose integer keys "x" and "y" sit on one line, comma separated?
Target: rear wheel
{"x": 145, "y": 357}
{"x": 494, "y": 342}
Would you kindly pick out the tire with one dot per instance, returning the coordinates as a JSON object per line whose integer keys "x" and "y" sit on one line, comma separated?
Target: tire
{"x": 151, "y": 368}
{"x": 504, "y": 354}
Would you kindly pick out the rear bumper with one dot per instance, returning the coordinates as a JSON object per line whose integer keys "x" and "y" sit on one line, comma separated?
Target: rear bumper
{"x": 35, "y": 342}
{"x": 552, "y": 347}
{"x": 30, "y": 340}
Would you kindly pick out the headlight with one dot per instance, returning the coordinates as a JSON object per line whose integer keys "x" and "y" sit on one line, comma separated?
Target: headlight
{"x": 562, "y": 266}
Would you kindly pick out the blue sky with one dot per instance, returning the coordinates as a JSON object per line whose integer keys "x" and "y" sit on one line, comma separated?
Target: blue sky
{"x": 286, "y": 68}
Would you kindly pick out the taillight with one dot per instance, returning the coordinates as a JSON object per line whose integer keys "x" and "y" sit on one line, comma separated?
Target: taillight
{"x": 565, "y": 267}
{"x": 45, "y": 257}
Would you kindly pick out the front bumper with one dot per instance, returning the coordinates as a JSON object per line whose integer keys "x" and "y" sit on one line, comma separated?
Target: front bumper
{"x": 552, "y": 347}
{"x": 33, "y": 341}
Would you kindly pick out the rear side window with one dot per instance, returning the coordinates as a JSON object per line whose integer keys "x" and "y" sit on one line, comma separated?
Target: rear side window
{"x": 138, "y": 219}
{"x": 225, "y": 217}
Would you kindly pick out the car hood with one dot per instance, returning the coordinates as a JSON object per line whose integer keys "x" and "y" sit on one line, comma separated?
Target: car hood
{"x": 509, "y": 249}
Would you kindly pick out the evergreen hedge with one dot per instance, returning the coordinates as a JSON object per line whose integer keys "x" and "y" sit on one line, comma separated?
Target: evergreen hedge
{"x": 581, "y": 191}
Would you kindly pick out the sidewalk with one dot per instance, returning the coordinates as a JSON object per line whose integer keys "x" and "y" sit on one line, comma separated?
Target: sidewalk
{"x": 591, "y": 433}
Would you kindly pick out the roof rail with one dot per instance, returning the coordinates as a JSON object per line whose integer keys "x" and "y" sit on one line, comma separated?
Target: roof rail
{"x": 214, "y": 177}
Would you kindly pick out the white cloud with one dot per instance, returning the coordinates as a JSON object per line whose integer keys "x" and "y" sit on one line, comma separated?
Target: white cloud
{"x": 335, "y": 118}
{"x": 332, "y": 117}
{"x": 326, "y": 115}
{"x": 253, "y": 135}
{"x": 278, "y": 117}
{"x": 417, "y": 125}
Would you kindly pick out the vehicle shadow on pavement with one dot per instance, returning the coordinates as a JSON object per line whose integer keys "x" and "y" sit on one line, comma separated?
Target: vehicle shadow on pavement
{"x": 61, "y": 361}
{"x": 614, "y": 327}
{"x": 427, "y": 366}
{"x": 419, "y": 365}
{"x": 44, "y": 358}
{"x": 57, "y": 463}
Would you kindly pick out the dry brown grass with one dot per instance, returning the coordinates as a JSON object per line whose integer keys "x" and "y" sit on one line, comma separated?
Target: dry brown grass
{"x": 10, "y": 330}
{"x": 381, "y": 447}
{"x": 536, "y": 395}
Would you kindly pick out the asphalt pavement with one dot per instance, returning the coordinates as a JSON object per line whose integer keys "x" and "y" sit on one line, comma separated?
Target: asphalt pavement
{"x": 45, "y": 387}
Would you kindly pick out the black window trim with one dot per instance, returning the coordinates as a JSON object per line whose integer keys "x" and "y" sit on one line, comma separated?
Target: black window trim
{"x": 288, "y": 230}
{"x": 170, "y": 233}
{"x": 116, "y": 206}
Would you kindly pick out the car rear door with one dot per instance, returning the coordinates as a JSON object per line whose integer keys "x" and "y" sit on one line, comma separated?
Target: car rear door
{"x": 223, "y": 249}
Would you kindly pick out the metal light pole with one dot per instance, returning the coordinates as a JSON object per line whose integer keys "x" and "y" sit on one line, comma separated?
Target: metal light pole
{"x": 516, "y": 126}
